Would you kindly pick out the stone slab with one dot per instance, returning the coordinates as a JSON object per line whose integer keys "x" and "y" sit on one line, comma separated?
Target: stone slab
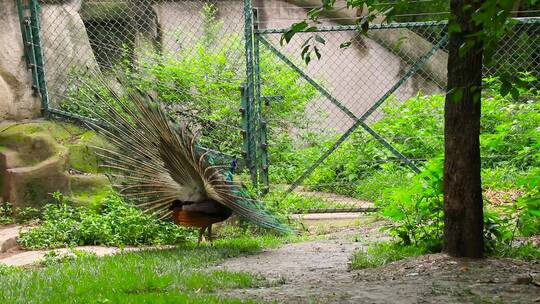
{"x": 8, "y": 237}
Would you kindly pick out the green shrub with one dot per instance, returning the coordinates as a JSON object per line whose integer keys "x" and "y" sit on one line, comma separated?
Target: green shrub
{"x": 115, "y": 224}
{"x": 6, "y": 214}
{"x": 10, "y": 215}
{"x": 417, "y": 212}
{"x": 417, "y": 209}
{"x": 509, "y": 145}
{"x": 8, "y": 270}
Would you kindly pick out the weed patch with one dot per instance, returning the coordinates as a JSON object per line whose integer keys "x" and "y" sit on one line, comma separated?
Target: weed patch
{"x": 115, "y": 224}
{"x": 382, "y": 253}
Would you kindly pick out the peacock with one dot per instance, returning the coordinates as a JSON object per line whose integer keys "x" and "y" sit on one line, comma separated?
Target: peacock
{"x": 158, "y": 164}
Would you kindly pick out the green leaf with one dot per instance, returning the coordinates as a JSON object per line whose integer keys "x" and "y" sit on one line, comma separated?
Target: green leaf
{"x": 307, "y": 59}
{"x": 317, "y": 53}
{"x": 320, "y": 39}
{"x": 345, "y": 45}
{"x": 534, "y": 212}
{"x": 506, "y": 86}
{"x": 515, "y": 93}
{"x": 295, "y": 28}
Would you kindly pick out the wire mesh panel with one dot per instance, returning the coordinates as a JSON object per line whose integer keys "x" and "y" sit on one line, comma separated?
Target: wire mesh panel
{"x": 370, "y": 102}
{"x": 318, "y": 133}
{"x": 190, "y": 55}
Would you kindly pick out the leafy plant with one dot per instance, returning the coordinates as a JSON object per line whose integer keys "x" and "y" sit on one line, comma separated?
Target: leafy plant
{"x": 418, "y": 209}
{"x": 8, "y": 270}
{"x": 528, "y": 205}
{"x": 527, "y": 252}
{"x": 417, "y": 212}
{"x": 10, "y": 215}
{"x": 509, "y": 146}
{"x": 6, "y": 214}
{"x": 115, "y": 224}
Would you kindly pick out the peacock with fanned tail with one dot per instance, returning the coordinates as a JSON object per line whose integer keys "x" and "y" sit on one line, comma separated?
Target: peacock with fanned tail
{"x": 157, "y": 164}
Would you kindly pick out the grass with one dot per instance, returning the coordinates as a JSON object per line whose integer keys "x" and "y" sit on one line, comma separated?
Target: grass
{"x": 382, "y": 253}
{"x": 525, "y": 252}
{"x": 178, "y": 275}
{"x": 295, "y": 201}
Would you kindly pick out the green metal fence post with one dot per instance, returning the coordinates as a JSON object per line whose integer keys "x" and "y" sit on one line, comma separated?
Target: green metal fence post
{"x": 263, "y": 144}
{"x": 26, "y": 31}
{"x": 245, "y": 126}
{"x": 262, "y": 151}
{"x": 250, "y": 90}
{"x": 30, "y": 29}
{"x": 38, "y": 51}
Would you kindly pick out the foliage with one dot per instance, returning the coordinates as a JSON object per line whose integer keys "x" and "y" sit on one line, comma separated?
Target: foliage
{"x": 527, "y": 252}
{"x": 523, "y": 215}
{"x": 6, "y": 215}
{"x": 282, "y": 202}
{"x": 417, "y": 212}
{"x": 8, "y": 270}
{"x": 418, "y": 209}
{"x": 509, "y": 146}
{"x": 115, "y": 224}
{"x": 176, "y": 275}
{"x": 10, "y": 215}
{"x": 382, "y": 253}
{"x": 528, "y": 206}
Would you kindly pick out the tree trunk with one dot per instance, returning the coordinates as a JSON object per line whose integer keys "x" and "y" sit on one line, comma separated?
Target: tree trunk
{"x": 463, "y": 229}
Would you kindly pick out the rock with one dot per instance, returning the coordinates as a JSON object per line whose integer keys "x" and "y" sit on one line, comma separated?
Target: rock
{"x": 39, "y": 169}
{"x": 34, "y": 162}
{"x": 17, "y": 101}
{"x": 181, "y": 23}
{"x": 89, "y": 189}
{"x": 8, "y": 238}
{"x": 66, "y": 46}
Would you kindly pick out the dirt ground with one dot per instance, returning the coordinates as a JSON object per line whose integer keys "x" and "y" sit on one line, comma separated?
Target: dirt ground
{"x": 318, "y": 272}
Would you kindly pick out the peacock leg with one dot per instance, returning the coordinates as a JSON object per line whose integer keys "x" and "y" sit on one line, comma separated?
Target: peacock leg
{"x": 210, "y": 234}
{"x": 201, "y": 235}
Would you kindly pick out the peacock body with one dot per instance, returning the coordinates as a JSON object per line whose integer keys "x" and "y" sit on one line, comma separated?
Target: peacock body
{"x": 157, "y": 164}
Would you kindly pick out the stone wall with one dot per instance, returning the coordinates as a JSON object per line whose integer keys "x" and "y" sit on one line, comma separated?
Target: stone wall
{"x": 17, "y": 101}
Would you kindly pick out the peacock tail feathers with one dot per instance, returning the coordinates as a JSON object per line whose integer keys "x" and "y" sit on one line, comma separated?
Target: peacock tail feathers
{"x": 154, "y": 161}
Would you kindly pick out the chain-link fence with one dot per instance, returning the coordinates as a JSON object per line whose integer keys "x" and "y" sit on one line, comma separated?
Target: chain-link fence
{"x": 319, "y": 134}
{"x": 188, "y": 54}
{"x": 373, "y": 105}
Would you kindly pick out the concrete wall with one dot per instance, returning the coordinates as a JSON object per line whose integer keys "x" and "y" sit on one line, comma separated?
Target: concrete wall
{"x": 357, "y": 76}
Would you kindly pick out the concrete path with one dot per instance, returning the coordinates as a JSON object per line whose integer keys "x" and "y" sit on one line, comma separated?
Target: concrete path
{"x": 12, "y": 255}
{"x": 32, "y": 257}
